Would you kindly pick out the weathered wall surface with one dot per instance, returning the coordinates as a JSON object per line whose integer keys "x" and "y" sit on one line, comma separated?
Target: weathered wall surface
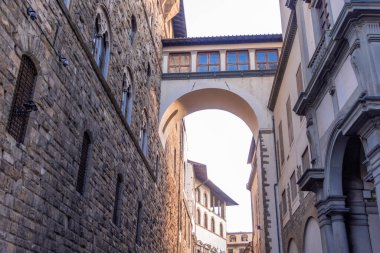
{"x": 40, "y": 209}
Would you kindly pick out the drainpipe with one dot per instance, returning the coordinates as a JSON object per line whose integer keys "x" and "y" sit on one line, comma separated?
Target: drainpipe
{"x": 275, "y": 188}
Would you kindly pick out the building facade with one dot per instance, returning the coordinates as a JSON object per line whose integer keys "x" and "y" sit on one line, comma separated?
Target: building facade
{"x": 82, "y": 167}
{"x": 324, "y": 100}
{"x": 239, "y": 242}
{"x": 209, "y": 211}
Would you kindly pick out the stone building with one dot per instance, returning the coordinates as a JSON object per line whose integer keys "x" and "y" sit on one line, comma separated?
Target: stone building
{"x": 325, "y": 103}
{"x": 239, "y": 242}
{"x": 210, "y": 206}
{"x": 82, "y": 168}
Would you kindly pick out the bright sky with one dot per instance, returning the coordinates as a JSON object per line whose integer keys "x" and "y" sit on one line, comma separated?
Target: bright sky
{"x": 217, "y": 138}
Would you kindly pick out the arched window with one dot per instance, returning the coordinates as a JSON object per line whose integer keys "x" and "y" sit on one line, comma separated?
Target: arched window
{"x": 205, "y": 200}
{"x": 198, "y": 195}
{"x": 205, "y": 221}
{"x": 198, "y": 217}
{"x": 86, "y": 144}
{"x": 157, "y": 165}
{"x": 213, "y": 225}
{"x": 127, "y": 96}
{"x": 118, "y": 196}
{"x": 22, "y": 103}
{"x": 244, "y": 238}
{"x": 133, "y": 31}
{"x": 232, "y": 238}
{"x": 221, "y": 232}
{"x": 144, "y": 133}
{"x": 102, "y": 42}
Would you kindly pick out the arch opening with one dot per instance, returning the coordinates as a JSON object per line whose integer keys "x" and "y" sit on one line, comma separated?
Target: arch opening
{"x": 211, "y": 98}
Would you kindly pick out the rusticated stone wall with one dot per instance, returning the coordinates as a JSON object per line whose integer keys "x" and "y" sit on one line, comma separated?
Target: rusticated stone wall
{"x": 40, "y": 209}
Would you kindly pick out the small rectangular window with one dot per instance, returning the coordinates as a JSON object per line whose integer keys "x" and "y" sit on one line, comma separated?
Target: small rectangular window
{"x": 299, "y": 80}
{"x": 283, "y": 203}
{"x": 208, "y": 62}
{"x": 179, "y": 63}
{"x": 293, "y": 185}
{"x": 237, "y": 60}
{"x": 281, "y": 139}
{"x": 290, "y": 121}
{"x": 305, "y": 159}
{"x": 266, "y": 59}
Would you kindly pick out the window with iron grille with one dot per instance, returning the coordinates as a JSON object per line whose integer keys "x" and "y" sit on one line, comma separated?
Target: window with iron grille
{"x": 237, "y": 60}
{"x": 23, "y": 95}
{"x": 83, "y": 162}
{"x": 266, "y": 59}
{"x": 117, "y": 205}
{"x": 179, "y": 63}
{"x": 208, "y": 62}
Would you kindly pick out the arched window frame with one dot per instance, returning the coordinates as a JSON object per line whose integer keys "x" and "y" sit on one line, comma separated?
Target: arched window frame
{"x": 198, "y": 195}
{"x": 213, "y": 224}
{"x": 205, "y": 199}
{"x": 221, "y": 232}
{"x": 118, "y": 200}
{"x": 102, "y": 41}
{"x": 205, "y": 220}
{"x": 133, "y": 31}
{"x": 83, "y": 163}
{"x": 22, "y": 102}
{"x": 198, "y": 217}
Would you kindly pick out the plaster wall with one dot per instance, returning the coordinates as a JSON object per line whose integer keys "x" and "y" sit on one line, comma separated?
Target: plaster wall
{"x": 285, "y": 14}
{"x": 336, "y": 7}
{"x": 325, "y": 114}
{"x": 345, "y": 82}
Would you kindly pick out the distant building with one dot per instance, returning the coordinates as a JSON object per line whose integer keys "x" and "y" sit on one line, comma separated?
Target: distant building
{"x": 209, "y": 204}
{"x": 239, "y": 242}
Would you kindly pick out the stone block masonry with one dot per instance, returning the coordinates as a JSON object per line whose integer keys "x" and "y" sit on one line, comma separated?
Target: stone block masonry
{"x": 40, "y": 208}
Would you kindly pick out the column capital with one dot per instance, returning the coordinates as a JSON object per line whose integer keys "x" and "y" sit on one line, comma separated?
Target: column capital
{"x": 333, "y": 206}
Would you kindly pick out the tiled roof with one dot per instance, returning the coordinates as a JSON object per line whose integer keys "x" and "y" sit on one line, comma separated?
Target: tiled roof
{"x": 217, "y": 40}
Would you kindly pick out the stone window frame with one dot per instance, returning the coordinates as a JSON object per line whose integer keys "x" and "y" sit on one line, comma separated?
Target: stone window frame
{"x": 116, "y": 215}
{"x": 23, "y": 95}
{"x": 293, "y": 186}
{"x": 86, "y": 149}
{"x": 102, "y": 40}
{"x": 127, "y": 95}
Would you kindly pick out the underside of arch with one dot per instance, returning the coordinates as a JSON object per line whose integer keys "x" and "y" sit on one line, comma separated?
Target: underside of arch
{"x": 203, "y": 99}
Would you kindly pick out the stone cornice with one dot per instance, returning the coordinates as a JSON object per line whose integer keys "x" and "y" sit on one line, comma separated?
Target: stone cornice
{"x": 219, "y": 74}
{"x": 331, "y": 46}
{"x": 284, "y": 58}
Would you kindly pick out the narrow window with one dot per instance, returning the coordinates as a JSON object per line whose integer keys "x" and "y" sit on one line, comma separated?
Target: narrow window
{"x": 198, "y": 217}
{"x": 205, "y": 200}
{"x": 284, "y": 203}
{"x": 221, "y": 232}
{"x": 157, "y": 165}
{"x": 83, "y": 163}
{"x": 139, "y": 221}
{"x": 148, "y": 77}
{"x": 266, "y": 59}
{"x": 305, "y": 159}
{"x": 179, "y": 63}
{"x": 293, "y": 186}
{"x": 198, "y": 195}
{"x": 232, "y": 238}
{"x": 208, "y": 62}
{"x": 102, "y": 43}
{"x": 133, "y": 31}
{"x": 205, "y": 221}
{"x": 244, "y": 238}
{"x": 324, "y": 15}
{"x": 127, "y": 96}
{"x": 22, "y": 103}
{"x": 144, "y": 133}
{"x": 281, "y": 138}
{"x": 237, "y": 60}
{"x": 213, "y": 225}
{"x": 117, "y": 205}
{"x": 299, "y": 80}
{"x": 290, "y": 121}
